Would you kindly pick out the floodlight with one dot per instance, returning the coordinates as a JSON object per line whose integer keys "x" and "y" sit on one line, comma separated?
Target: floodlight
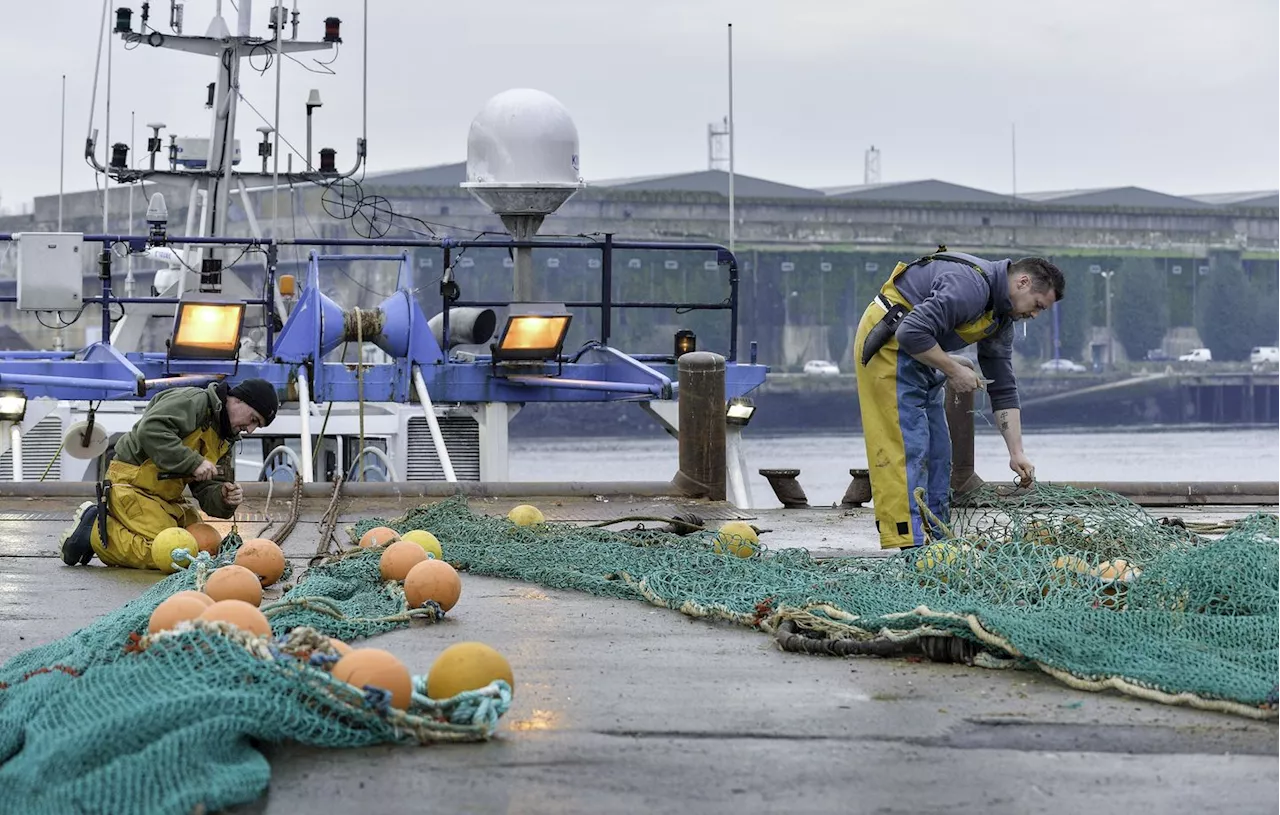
{"x": 13, "y": 405}
{"x": 739, "y": 410}
{"x": 536, "y": 333}
{"x": 206, "y": 330}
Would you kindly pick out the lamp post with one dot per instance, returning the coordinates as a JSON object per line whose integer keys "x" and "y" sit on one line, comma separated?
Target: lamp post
{"x": 1106, "y": 277}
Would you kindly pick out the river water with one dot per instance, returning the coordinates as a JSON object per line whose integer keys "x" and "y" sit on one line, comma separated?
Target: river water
{"x": 824, "y": 459}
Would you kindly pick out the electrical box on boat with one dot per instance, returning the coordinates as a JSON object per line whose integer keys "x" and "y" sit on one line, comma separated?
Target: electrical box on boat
{"x": 49, "y": 271}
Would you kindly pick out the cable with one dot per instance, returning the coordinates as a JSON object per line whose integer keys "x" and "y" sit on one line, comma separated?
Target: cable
{"x": 325, "y": 65}
{"x": 65, "y": 323}
{"x": 266, "y": 66}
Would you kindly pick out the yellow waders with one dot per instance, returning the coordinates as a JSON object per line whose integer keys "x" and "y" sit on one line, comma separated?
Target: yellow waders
{"x": 904, "y": 424}
{"x": 141, "y": 506}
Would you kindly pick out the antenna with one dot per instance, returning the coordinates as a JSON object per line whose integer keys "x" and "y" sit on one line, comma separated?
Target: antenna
{"x": 106, "y": 173}
{"x": 62, "y": 151}
{"x": 1013, "y": 155}
{"x": 717, "y": 158}
{"x": 731, "y": 137}
{"x": 871, "y": 166}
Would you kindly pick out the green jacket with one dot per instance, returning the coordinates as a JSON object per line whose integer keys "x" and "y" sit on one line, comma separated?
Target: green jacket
{"x": 171, "y": 417}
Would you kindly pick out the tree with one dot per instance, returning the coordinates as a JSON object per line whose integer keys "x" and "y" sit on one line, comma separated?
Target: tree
{"x": 1228, "y": 313}
{"x": 1140, "y": 306}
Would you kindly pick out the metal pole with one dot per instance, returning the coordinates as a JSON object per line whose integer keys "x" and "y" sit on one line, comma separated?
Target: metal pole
{"x": 133, "y": 157}
{"x": 364, "y": 80}
{"x": 733, "y": 310}
{"x": 104, "y": 275}
{"x": 275, "y": 150}
{"x": 62, "y": 152}
{"x": 1110, "y": 343}
{"x": 1057, "y": 343}
{"x": 606, "y": 289}
{"x": 304, "y": 421}
{"x": 437, "y": 439}
{"x": 731, "y": 128}
{"x": 15, "y": 446}
{"x": 1013, "y": 155}
{"x": 736, "y": 465}
{"x": 106, "y": 157}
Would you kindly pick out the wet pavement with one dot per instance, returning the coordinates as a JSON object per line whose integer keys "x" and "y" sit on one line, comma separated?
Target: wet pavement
{"x": 621, "y": 707}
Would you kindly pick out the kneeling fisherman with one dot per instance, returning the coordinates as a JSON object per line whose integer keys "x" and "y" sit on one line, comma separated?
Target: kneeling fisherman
{"x": 184, "y": 438}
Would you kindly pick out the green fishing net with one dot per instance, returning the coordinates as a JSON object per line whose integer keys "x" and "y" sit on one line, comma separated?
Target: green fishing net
{"x": 1084, "y": 585}
{"x": 112, "y": 720}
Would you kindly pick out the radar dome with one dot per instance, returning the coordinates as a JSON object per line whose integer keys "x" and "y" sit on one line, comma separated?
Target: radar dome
{"x": 522, "y": 153}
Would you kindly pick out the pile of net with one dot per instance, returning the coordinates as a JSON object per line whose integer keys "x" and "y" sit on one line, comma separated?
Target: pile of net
{"x": 113, "y": 720}
{"x": 1083, "y": 585}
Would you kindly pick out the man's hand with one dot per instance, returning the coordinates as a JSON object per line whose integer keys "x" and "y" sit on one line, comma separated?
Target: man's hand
{"x": 205, "y": 471}
{"x": 232, "y": 495}
{"x": 1021, "y": 465}
{"x": 962, "y": 379}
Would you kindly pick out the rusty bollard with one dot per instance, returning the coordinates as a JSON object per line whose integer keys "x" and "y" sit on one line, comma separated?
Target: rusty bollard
{"x": 787, "y": 488}
{"x": 859, "y": 491}
{"x": 959, "y": 410}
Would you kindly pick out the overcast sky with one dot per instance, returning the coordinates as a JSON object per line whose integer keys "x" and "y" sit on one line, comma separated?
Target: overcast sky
{"x": 1179, "y": 96}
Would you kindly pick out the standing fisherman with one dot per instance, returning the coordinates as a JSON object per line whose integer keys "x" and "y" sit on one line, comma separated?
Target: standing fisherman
{"x": 938, "y": 304}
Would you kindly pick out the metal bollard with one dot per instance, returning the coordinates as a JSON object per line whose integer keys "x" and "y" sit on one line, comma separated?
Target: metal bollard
{"x": 702, "y": 470}
{"x": 959, "y": 409}
{"x": 787, "y": 488}
{"x": 859, "y": 491}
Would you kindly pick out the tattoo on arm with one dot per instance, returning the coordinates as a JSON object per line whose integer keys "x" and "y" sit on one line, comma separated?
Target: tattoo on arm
{"x": 1004, "y": 421}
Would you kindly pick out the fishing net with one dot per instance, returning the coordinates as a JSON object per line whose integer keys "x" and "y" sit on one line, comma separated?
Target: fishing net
{"x": 112, "y": 720}
{"x": 1084, "y": 585}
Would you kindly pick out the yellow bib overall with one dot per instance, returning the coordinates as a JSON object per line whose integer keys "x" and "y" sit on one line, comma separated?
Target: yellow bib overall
{"x": 904, "y": 423}
{"x": 140, "y": 505}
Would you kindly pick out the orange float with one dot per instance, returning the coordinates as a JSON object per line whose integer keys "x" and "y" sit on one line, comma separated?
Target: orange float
{"x": 432, "y": 580}
{"x": 240, "y": 614}
{"x": 177, "y": 608}
{"x": 379, "y": 536}
{"x": 263, "y": 557}
{"x": 207, "y": 538}
{"x": 376, "y": 668}
{"x": 399, "y": 558}
{"x": 341, "y": 647}
{"x": 234, "y": 583}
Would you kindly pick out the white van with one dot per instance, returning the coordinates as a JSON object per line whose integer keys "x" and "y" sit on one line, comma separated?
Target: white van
{"x": 1197, "y": 355}
{"x": 1264, "y": 354}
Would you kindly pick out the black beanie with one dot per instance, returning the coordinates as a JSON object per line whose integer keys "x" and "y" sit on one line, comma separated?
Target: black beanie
{"x": 260, "y": 395}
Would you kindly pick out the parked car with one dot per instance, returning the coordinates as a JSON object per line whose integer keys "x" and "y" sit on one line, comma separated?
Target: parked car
{"x": 1197, "y": 355}
{"x": 821, "y": 367}
{"x": 1264, "y": 354}
{"x": 1061, "y": 366}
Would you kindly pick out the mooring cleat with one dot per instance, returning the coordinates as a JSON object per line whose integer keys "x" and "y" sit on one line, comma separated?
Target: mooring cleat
{"x": 76, "y": 545}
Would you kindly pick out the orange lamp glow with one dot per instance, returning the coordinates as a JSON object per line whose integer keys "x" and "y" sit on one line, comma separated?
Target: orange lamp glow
{"x": 207, "y": 331}
{"x": 529, "y": 333}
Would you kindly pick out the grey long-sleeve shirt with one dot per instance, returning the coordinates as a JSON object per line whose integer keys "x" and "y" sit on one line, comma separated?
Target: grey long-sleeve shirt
{"x": 945, "y": 294}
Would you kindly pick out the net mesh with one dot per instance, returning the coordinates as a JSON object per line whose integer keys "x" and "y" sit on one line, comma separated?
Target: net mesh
{"x": 1084, "y": 585}
{"x": 111, "y": 720}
